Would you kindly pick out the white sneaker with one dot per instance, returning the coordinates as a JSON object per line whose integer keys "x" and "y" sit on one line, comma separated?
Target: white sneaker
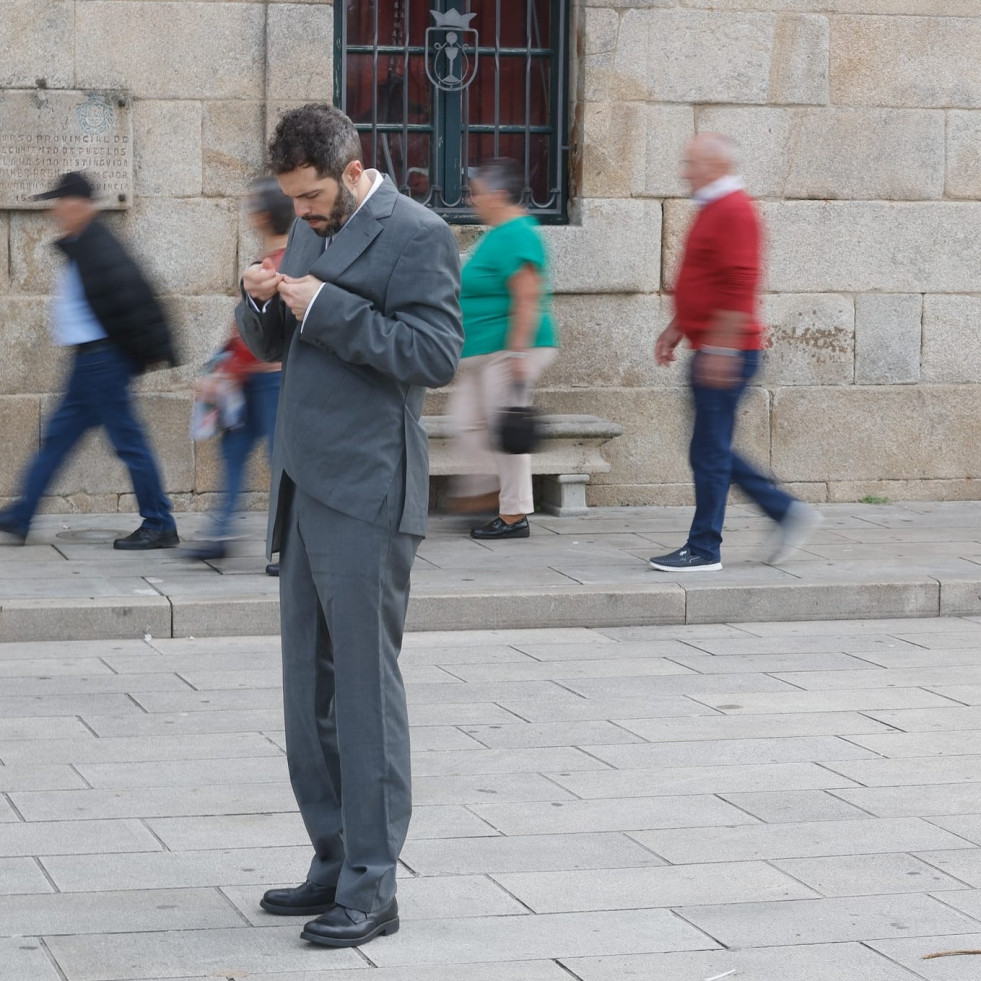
{"x": 798, "y": 525}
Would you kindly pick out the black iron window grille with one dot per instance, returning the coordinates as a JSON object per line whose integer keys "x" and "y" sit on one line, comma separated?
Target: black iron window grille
{"x": 435, "y": 87}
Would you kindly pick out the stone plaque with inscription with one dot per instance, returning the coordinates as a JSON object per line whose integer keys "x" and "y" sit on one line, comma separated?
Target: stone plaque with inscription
{"x": 45, "y": 132}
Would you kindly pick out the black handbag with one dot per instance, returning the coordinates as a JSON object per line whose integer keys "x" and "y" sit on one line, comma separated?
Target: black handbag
{"x": 517, "y": 428}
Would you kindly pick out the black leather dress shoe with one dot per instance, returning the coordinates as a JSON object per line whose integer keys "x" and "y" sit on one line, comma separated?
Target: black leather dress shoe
{"x": 147, "y": 538}
{"x": 343, "y": 927}
{"x": 272, "y": 569}
{"x": 305, "y": 900}
{"x": 499, "y": 528}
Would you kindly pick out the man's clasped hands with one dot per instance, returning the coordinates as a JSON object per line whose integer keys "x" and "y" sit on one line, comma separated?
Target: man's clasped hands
{"x": 262, "y": 282}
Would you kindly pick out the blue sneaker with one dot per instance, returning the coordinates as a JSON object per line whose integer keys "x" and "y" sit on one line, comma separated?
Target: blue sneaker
{"x": 684, "y": 560}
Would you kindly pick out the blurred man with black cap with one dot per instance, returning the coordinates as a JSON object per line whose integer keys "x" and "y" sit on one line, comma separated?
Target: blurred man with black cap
{"x": 105, "y": 312}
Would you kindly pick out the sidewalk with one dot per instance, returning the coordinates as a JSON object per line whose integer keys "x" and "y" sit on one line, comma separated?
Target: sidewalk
{"x": 867, "y": 561}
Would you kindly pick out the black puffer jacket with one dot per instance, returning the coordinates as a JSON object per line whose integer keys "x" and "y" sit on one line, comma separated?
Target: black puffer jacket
{"x": 120, "y": 296}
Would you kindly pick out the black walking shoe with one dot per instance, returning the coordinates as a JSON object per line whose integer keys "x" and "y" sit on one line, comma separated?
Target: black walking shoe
{"x": 499, "y": 528}
{"x": 684, "y": 560}
{"x": 146, "y": 538}
{"x": 14, "y": 534}
{"x": 306, "y": 900}
{"x": 273, "y": 569}
{"x": 343, "y": 927}
{"x": 205, "y": 551}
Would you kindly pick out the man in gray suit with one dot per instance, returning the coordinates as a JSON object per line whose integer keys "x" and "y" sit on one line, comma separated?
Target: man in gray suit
{"x": 364, "y": 314}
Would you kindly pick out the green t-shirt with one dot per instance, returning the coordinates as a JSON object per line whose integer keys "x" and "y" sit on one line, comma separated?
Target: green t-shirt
{"x": 484, "y": 295}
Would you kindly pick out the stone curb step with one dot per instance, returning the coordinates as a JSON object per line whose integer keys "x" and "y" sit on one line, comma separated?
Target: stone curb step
{"x": 495, "y": 609}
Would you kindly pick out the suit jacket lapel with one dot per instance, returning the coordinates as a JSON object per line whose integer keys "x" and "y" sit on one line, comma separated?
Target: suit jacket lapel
{"x": 357, "y": 234}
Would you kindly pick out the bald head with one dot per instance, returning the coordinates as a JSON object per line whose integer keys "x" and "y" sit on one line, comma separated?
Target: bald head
{"x": 708, "y": 157}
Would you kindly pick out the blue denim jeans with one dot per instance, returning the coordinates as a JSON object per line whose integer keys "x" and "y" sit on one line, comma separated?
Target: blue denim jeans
{"x": 261, "y": 392}
{"x": 716, "y": 467}
{"x": 97, "y": 395}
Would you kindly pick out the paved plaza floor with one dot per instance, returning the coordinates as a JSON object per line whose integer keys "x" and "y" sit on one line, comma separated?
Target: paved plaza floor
{"x": 766, "y": 801}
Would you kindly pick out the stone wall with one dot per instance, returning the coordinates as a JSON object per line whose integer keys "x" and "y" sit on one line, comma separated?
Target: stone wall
{"x": 860, "y": 124}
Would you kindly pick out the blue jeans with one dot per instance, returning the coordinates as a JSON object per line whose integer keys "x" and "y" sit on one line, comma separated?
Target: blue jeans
{"x": 261, "y": 392}
{"x": 715, "y": 466}
{"x": 97, "y": 395}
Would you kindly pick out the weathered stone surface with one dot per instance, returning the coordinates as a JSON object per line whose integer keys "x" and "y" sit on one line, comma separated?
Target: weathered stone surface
{"x": 710, "y": 56}
{"x": 929, "y": 247}
{"x": 657, "y": 429}
{"x": 166, "y": 165}
{"x": 799, "y": 60}
{"x": 95, "y": 469}
{"x": 31, "y": 364}
{"x": 891, "y": 154}
{"x": 233, "y": 148}
{"x": 299, "y": 52}
{"x": 906, "y": 61}
{"x": 668, "y": 130}
{"x": 951, "y": 331}
{"x": 935, "y": 8}
{"x": 812, "y": 339}
{"x": 188, "y": 245}
{"x": 614, "y": 247}
{"x": 218, "y": 55}
{"x": 4, "y": 254}
{"x": 614, "y": 137}
{"x": 871, "y": 433}
{"x": 36, "y": 40}
{"x": 33, "y": 261}
{"x": 846, "y": 491}
{"x": 21, "y": 420}
{"x": 678, "y": 216}
{"x": 964, "y": 155}
{"x": 887, "y": 338}
{"x": 609, "y": 341}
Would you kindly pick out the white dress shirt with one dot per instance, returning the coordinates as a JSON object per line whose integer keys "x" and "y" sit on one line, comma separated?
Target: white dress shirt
{"x": 718, "y": 189}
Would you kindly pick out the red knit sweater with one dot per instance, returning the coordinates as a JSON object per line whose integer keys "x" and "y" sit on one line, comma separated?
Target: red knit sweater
{"x": 720, "y": 269}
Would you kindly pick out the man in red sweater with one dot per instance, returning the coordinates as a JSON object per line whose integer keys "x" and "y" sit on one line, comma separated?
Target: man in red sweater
{"x": 716, "y": 312}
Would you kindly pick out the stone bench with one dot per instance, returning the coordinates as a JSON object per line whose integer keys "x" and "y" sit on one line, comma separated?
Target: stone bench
{"x": 568, "y": 453}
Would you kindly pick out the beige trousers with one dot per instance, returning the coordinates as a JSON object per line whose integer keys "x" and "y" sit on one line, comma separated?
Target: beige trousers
{"x": 484, "y": 387}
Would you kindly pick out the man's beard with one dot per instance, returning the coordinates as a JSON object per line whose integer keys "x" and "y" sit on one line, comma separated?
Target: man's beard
{"x": 345, "y": 206}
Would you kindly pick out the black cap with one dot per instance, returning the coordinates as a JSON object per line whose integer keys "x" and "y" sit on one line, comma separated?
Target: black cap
{"x": 70, "y": 185}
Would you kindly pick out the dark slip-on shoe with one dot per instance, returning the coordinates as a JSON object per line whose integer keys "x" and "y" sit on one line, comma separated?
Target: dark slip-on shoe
{"x": 306, "y": 900}
{"x": 343, "y": 927}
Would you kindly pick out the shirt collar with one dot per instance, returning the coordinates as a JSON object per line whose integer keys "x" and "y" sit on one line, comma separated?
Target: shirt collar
{"x": 718, "y": 189}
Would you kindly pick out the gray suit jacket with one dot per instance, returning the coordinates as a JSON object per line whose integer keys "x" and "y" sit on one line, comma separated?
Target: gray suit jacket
{"x": 386, "y": 325}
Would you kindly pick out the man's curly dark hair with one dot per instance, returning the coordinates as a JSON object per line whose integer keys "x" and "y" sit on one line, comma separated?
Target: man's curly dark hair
{"x": 316, "y": 135}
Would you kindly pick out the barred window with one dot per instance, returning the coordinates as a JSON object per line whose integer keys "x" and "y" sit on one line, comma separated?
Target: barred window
{"x": 435, "y": 87}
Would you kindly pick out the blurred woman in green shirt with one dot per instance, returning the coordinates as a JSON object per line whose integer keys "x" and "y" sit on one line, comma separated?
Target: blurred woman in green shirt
{"x": 509, "y": 340}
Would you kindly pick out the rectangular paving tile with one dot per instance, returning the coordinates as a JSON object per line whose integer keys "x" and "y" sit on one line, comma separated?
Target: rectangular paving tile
{"x": 826, "y": 920}
{"x": 674, "y": 781}
{"x": 172, "y": 870}
{"x": 534, "y": 970}
{"x": 770, "y": 663}
{"x": 75, "y": 838}
{"x": 879, "y": 677}
{"x": 661, "y": 887}
{"x": 867, "y": 875}
{"x": 619, "y": 814}
{"x": 931, "y": 720}
{"x": 522, "y": 853}
{"x": 752, "y": 726}
{"x": 556, "y": 935}
{"x": 821, "y": 701}
{"x": 923, "y": 770}
{"x": 800, "y": 840}
{"x": 185, "y": 723}
{"x": 480, "y": 788}
{"x": 203, "y": 701}
{"x": 486, "y": 654}
{"x": 116, "y": 912}
{"x": 811, "y": 641}
{"x": 484, "y": 691}
{"x": 34, "y": 650}
{"x": 459, "y": 714}
{"x": 902, "y": 745}
{"x": 41, "y": 706}
{"x": 816, "y": 962}
{"x": 966, "y": 825}
{"x": 52, "y": 666}
{"x": 188, "y": 954}
{"x": 788, "y": 749}
{"x": 26, "y": 777}
{"x": 97, "y": 684}
{"x": 562, "y": 670}
{"x": 24, "y": 959}
{"x": 922, "y": 800}
{"x": 781, "y": 807}
{"x": 46, "y": 728}
{"x": 478, "y": 760}
{"x": 586, "y": 709}
{"x": 138, "y": 748}
{"x": 539, "y": 734}
{"x": 190, "y": 773}
{"x": 20, "y": 876}
{"x": 688, "y": 684}
{"x": 638, "y": 649}
{"x": 910, "y": 954}
{"x": 148, "y": 802}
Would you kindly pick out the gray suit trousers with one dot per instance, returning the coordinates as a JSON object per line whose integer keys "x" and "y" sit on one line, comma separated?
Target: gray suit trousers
{"x": 344, "y": 588}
